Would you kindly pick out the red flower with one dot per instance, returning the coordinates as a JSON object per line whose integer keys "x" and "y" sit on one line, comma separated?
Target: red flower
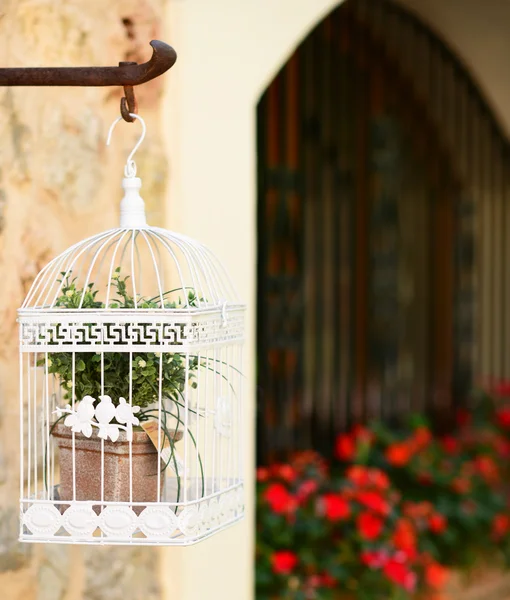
{"x": 306, "y": 489}
{"x": 279, "y": 498}
{"x": 436, "y": 575}
{"x": 404, "y": 537}
{"x": 369, "y": 526}
{"x": 502, "y": 447}
{"x": 461, "y": 485}
{"x": 313, "y": 581}
{"x": 374, "y": 501}
{"x": 379, "y": 479}
{"x": 418, "y": 510}
{"x": 345, "y": 447}
{"x": 500, "y": 525}
{"x": 398, "y": 454}
{"x": 359, "y": 475}
{"x": 374, "y": 560}
{"x": 437, "y": 523}
{"x": 503, "y": 417}
{"x": 262, "y": 474}
{"x": 335, "y": 507}
{"x": 362, "y": 434}
{"x": 285, "y": 472}
{"x": 307, "y": 458}
{"x": 283, "y": 562}
{"x": 408, "y": 555}
{"x": 502, "y": 389}
{"x": 421, "y": 438}
{"x": 327, "y": 581}
{"x": 398, "y": 573}
{"x": 487, "y": 468}
{"x": 450, "y": 444}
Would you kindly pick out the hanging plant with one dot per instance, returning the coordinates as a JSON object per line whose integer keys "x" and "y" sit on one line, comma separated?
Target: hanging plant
{"x": 120, "y": 374}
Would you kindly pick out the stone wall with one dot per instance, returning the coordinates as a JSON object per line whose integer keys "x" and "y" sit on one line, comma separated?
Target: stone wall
{"x": 60, "y": 183}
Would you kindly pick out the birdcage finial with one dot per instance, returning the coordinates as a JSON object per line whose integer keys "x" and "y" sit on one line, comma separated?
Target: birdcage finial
{"x": 132, "y": 207}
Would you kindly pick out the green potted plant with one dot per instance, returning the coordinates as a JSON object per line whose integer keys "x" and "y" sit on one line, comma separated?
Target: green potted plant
{"x": 108, "y": 428}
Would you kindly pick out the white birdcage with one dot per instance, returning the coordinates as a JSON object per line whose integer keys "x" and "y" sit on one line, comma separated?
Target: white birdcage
{"x": 131, "y": 389}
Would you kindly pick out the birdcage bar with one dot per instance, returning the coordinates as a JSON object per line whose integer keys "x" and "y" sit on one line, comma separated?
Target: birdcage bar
{"x": 213, "y": 278}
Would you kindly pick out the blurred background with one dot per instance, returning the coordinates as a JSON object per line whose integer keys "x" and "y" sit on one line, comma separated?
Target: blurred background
{"x": 382, "y": 231}
{"x": 347, "y": 161}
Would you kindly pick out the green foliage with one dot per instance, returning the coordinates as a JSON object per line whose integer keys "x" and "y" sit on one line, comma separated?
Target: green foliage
{"x": 116, "y": 373}
{"x": 116, "y": 369}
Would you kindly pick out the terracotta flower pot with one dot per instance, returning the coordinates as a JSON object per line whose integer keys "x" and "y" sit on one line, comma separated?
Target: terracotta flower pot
{"x": 116, "y": 467}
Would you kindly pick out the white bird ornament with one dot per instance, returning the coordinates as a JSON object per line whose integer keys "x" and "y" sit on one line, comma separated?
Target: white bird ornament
{"x": 80, "y": 419}
{"x": 124, "y": 413}
{"x": 105, "y": 411}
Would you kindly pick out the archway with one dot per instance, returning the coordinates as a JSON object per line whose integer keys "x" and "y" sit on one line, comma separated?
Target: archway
{"x": 382, "y": 178}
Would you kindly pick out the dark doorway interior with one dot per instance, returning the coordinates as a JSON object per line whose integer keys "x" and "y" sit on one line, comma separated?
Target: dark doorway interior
{"x": 372, "y": 148}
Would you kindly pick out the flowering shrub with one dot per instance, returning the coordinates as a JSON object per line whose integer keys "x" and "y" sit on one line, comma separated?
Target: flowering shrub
{"x": 391, "y": 514}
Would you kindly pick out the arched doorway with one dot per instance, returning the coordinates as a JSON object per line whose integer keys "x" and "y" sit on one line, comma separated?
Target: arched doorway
{"x": 381, "y": 217}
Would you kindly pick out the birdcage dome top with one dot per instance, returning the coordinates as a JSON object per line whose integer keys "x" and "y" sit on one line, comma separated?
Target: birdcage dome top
{"x": 133, "y": 267}
{"x": 139, "y": 268}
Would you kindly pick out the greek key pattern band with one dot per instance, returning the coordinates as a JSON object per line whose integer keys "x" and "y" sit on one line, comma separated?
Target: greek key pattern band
{"x": 38, "y": 334}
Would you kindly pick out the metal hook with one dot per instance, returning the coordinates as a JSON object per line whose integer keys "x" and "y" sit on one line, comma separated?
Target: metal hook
{"x": 128, "y": 103}
{"x": 130, "y": 168}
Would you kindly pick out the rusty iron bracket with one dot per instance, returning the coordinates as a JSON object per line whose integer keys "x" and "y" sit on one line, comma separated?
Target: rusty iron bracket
{"x": 127, "y": 75}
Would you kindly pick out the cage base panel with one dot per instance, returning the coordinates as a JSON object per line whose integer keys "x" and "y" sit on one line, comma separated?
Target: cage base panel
{"x": 133, "y": 541}
{"x": 121, "y": 523}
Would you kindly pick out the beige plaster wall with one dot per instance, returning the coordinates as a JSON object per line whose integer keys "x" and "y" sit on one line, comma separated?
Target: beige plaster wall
{"x": 58, "y": 184}
{"x": 229, "y": 50}
{"x": 477, "y": 31}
